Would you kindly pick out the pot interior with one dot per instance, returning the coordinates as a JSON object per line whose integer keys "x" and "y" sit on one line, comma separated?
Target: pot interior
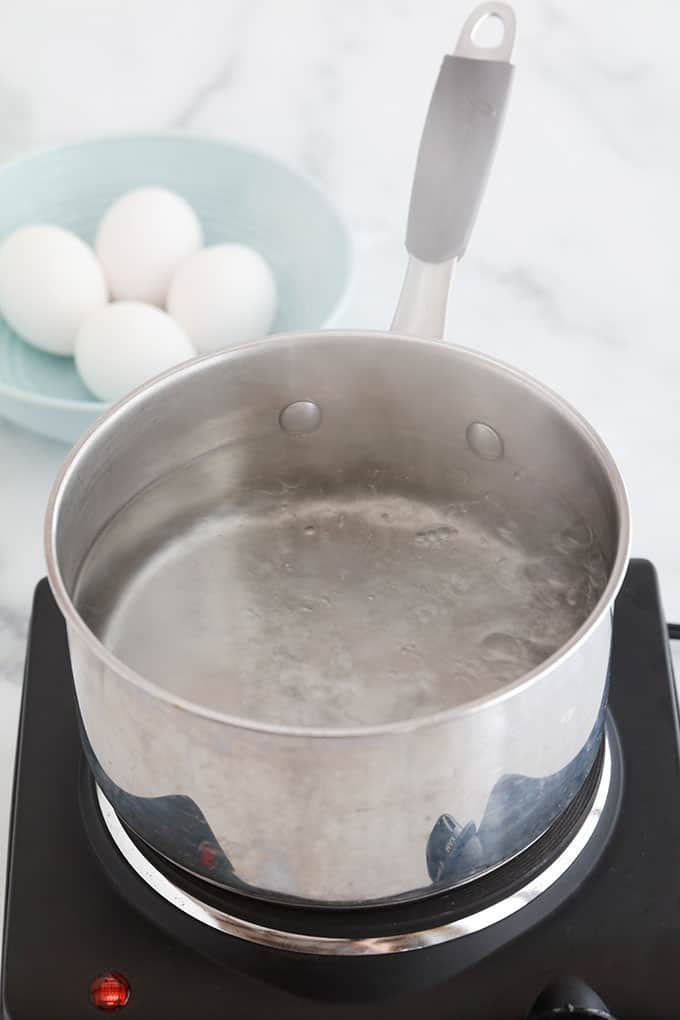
{"x": 426, "y": 529}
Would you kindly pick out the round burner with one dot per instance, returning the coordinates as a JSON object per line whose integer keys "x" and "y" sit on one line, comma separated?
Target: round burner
{"x": 475, "y": 918}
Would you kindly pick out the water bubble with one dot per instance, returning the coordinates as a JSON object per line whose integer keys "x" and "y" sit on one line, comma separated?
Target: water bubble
{"x": 500, "y": 647}
{"x": 371, "y": 597}
{"x": 289, "y": 484}
{"x": 435, "y": 536}
{"x": 537, "y": 652}
{"x": 577, "y": 594}
{"x": 596, "y": 569}
{"x": 551, "y": 572}
{"x": 455, "y": 510}
{"x": 310, "y": 529}
{"x": 576, "y": 537}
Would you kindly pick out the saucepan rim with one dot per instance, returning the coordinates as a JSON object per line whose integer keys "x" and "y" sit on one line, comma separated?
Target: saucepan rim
{"x": 118, "y": 412}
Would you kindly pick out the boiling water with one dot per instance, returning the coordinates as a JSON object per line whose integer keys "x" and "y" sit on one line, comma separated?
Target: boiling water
{"x": 366, "y": 608}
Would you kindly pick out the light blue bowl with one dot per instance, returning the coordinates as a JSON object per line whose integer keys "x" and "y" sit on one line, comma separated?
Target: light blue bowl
{"x": 238, "y": 194}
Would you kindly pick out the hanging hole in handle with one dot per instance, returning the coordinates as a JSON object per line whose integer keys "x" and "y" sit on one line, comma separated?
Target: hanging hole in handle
{"x": 488, "y": 33}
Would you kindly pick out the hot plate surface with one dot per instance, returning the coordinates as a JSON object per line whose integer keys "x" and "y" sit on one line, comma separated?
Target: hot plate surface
{"x": 67, "y": 922}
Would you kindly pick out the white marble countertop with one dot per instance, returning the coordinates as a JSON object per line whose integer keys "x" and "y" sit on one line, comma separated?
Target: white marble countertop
{"x": 571, "y": 270}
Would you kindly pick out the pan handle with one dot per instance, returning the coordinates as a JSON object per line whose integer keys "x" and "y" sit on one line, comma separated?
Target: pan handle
{"x": 459, "y": 141}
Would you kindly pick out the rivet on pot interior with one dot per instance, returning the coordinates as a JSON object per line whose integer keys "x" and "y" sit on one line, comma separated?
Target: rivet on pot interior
{"x": 300, "y": 417}
{"x": 484, "y": 441}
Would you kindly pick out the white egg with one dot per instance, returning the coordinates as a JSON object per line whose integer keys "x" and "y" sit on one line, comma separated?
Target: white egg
{"x": 142, "y": 239}
{"x": 223, "y": 295}
{"x": 50, "y": 281}
{"x": 124, "y": 344}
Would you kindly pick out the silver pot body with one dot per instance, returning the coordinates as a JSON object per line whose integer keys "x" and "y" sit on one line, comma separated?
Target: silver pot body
{"x": 361, "y": 814}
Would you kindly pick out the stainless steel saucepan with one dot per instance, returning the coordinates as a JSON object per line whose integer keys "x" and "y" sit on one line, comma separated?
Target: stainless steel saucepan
{"x": 339, "y": 604}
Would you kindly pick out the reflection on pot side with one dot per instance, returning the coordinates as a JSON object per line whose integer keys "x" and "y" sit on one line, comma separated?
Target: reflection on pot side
{"x": 175, "y": 826}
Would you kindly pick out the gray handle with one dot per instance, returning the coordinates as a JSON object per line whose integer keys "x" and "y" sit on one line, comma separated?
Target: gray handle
{"x": 454, "y": 160}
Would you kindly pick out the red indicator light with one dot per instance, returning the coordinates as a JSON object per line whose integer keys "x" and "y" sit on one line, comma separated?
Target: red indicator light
{"x": 207, "y": 855}
{"x": 110, "y": 992}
